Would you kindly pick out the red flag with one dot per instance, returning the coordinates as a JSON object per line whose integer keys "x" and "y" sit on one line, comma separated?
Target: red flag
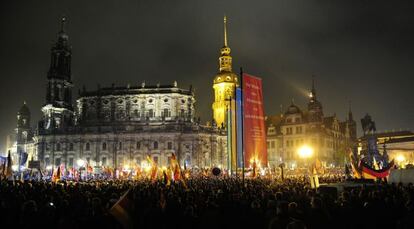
{"x": 253, "y": 119}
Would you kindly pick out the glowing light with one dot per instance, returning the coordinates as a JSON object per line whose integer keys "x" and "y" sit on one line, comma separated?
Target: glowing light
{"x": 14, "y": 167}
{"x": 145, "y": 166}
{"x": 49, "y": 167}
{"x": 400, "y": 158}
{"x": 126, "y": 167}
{"x": 305, "y": 151}
{"x": 80, "y": 162}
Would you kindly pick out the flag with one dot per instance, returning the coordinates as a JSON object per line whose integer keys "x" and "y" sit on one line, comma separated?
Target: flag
{"x": 154, "y": 168}
{"x": 9, "y": 171}
{"x": 122, "y": 210}
{"x": 56, "y": 176}
{"x": 166, "y": 178}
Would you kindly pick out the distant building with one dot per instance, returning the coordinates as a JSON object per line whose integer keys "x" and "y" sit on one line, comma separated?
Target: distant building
{"x": 116, "y": 126}
{"x": 399, "y": 145}
{"x": 329, "y": 137}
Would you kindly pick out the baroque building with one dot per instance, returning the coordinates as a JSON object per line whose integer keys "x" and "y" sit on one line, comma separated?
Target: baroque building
{"x": 329, "y": 137}
{"x": 118, "y": 126}
{"x": 224, "y": 84}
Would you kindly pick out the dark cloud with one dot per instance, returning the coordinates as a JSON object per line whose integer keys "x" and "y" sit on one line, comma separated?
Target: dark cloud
{"x": 359, "y": 50}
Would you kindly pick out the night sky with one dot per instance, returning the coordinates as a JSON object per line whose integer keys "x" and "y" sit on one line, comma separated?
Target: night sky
{"x": 359, "y": 51}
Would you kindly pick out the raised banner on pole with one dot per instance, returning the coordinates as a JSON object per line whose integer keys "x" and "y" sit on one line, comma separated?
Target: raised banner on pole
{"x": 253, "y": 120}
{"x": 239, "y": 128}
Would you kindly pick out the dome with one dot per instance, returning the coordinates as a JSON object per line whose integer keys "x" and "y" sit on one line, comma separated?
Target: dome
{"x": 24, "y": 110}
{"x": 293, "y": 109}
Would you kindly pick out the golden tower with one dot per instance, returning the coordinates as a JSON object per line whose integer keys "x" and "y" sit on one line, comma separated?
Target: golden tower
{"x": 224, "y": 83}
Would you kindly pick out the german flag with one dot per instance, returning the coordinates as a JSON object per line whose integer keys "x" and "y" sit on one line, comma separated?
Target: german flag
{"x": 122, "y": 210}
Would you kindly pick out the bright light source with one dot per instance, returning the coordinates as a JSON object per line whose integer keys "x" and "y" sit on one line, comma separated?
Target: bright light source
{"x": 126, "y": 167}
{"x": 305, "y": 151}
{"x": 145, "y": 166}
{"x": 49, "y": 167}
{"x": 14, "y": 167}
{"x": 80, "y": 162}
{"x": 400, "y": 158}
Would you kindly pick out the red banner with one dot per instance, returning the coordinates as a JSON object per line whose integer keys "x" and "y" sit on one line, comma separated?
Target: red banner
{"x": 253, "y": 122}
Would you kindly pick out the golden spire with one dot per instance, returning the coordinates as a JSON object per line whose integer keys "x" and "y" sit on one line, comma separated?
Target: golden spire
{"x": 225, "y": 58}
{"x": 225, "y": 31}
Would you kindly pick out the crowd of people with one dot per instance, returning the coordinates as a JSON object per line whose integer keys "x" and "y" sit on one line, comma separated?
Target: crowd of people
{"x": 205, "y": 202}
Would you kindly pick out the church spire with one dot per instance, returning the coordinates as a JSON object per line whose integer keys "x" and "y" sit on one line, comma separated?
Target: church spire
{"x": 312, "y": 94}
{"x": 350, "y": 116}
{"x": 63, "y": 24}
{"x": 225, "y": 59}
{"x": 225, "y": 31}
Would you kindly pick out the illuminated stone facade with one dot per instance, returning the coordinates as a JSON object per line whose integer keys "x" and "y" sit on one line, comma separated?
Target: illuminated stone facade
{"x": 118, "y": 126}
{"x": 329, "y": 137}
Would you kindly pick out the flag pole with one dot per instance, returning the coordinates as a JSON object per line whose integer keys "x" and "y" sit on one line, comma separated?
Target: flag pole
{"x": 242, "y": 122}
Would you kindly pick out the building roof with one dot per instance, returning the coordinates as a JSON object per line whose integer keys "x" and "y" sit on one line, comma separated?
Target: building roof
{"x": 134, "y": 90}
{"x": 293, "y": 109}
{"x": 24, "y": 110}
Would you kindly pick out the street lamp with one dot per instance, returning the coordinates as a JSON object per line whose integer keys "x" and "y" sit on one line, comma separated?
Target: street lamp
{"x": 305, "y": 152}
{"x": 400, "y": 159}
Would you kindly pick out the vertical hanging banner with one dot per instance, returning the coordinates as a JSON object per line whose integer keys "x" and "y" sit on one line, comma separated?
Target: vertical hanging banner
{"x": 253, "y": 122}
{"x": 239, "y": 128}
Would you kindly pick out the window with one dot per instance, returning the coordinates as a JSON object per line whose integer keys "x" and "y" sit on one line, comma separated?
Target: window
{"x": 155, "y": 158}
{"x": 47, "y": 161}
{"x": 104, "y": 161}
{"x": 57, "y": 161}
{"x": 104, "y": 146}
{"x": 182, "y": 113}
{"x": 71, "y": 162}
{"x": 120, "y": 146}
{"x": 170, "y": 145}
{"x": 297, "y": 119}
{"x": 289, "y": 130}
{"x": 166, "y": 113}
{"x": 288, "y": 120}
{"x": 298, "y": 129}
{"x": 151, "y": 113}
{"x": 155, "y": 145}
{"x": 138, "y": 145}
{"x": 71, "y": 146}
{"x": 88, "y": 146}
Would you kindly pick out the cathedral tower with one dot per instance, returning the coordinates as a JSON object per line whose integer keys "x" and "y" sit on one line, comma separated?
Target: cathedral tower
{"x": 58, "y": 109}
{"x": 224, "y": 84}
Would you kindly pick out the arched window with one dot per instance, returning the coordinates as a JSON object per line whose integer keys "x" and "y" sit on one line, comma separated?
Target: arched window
{"x": 155, "y": 145}
{"x": 138, "y": 145}
{"x": 58, "y": 147}
{"x": 70, "y": 146}
{"x": 88, "y": 146}
{"x": 104, "y": 146}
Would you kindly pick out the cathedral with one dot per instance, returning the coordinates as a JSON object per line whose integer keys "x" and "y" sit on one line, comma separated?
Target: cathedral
{"x": 120, "y": 126}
